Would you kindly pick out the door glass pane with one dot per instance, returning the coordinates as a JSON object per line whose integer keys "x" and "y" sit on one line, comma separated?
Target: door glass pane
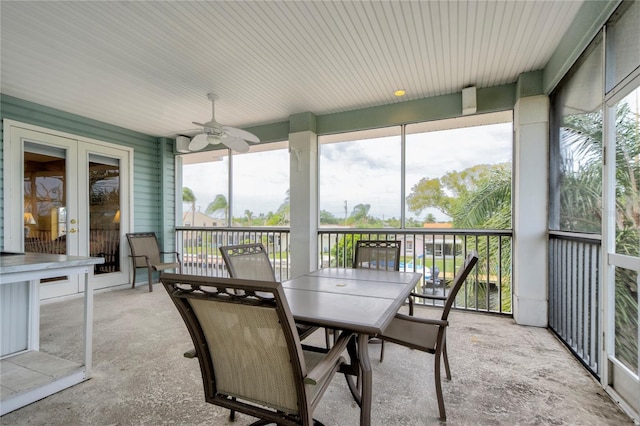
{"x": 104, "y": 213}
{"x": 626, "y": 317}
{"x": 45, "y": 213}
{"x": 628, "y": 175}
{"x": 627, "y": 227}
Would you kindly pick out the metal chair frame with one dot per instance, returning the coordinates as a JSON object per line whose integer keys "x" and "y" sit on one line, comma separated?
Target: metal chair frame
{"x": 145, "y": 253}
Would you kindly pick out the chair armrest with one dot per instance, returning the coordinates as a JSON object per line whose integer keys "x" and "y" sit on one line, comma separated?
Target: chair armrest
{"x": 190, "y": 354}
{"x": 330, "y": 361}
{"x": 424, "y": 296}
{"x": 139, "y": 255}
{"x": 438, "y": 322}
{"x": 146, "y": 259}
{"x": 429, "y": 296}
{"x": 172, "y": 252}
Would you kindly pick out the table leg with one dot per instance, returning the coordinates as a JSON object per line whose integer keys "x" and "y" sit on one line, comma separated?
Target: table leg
{"x": 366, "y": 380}
{"x": 352, "y": 372}
{"x": 88, "y": 325}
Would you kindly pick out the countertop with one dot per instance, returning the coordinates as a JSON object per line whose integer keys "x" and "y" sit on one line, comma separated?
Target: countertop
{"x": 11, "y": 262}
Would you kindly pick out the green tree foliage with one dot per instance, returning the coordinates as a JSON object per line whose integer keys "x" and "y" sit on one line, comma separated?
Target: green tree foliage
{"x": 359, "y": 214}
{"x": 476, "y": 198}
{"x": 282, "y": 216}
{"x": 580, "y": 174}
{"x": 249, "y": 215}
{"x": 217, "y": 206}
{"x": 343, "y": 252}
{"x": 327, "y": 218}
{"x": 189, "y": 197}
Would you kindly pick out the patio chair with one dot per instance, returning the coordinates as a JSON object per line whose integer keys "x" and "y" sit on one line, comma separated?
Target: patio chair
{"x": 251, "y": 262}
{"x": 377, "y": 254}
{"x": 429, "y": 335}
{"x": 250, "y": 356}
{"x": 145, "y": 253}
{"x": 381, "y": 255}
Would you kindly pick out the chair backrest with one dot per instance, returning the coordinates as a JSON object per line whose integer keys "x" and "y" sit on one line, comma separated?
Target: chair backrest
{"x": 248, "y": 261}
{"x": 384, "y": 255}
{"x": 245, "y": 340}
{"x": 144, "y": 244}
{"x": 461, "y": 276}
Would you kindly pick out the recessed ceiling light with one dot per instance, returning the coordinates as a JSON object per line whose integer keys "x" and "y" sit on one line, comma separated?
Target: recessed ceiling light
{"x": 399, "y": 92}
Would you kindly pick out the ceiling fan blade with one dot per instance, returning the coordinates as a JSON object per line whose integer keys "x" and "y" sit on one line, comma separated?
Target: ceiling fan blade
{"x": 241, "y": 134}
{"x": 199, "y": 124}
{"x": 236, "y": 144}
{"x": 198, "y": 142}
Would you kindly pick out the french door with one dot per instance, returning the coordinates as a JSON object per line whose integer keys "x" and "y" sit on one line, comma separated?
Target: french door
{"x": 75, "y": 200}
{"x": 622, "y": 248}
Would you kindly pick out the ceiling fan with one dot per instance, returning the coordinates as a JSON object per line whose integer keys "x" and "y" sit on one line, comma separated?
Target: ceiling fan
{"x": 215, "y": 133}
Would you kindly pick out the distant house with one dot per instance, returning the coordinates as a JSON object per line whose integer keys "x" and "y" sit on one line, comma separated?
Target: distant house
{"x": 437, "y": 245}
{"x": 200, "y": 220}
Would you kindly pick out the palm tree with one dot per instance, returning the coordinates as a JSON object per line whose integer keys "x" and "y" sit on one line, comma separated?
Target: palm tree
{"x": 488, "y": 205}
{"x": 284, "y": 211}
{"x": 360, "y": 213}
{"x": 249, "y": 215}
{"x": 189, "y": 197}
{"x": 218, "y": 205}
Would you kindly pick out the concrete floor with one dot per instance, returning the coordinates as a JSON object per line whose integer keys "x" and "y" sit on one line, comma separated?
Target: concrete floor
{"x": 503, "y": 374}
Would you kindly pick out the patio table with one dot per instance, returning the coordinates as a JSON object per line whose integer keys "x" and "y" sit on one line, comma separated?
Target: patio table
{"x": 362, "y": 301}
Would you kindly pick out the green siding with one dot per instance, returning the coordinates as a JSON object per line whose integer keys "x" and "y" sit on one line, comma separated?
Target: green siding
{"x": 492, "y": 99}
{"x": 149, "y": 179}
{"x": 167, "y": 194}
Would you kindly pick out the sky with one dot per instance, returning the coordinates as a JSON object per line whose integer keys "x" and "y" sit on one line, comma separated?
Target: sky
{"x": 359, "y": 172}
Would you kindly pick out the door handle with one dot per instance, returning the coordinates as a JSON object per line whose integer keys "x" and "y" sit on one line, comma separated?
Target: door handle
{"x": 73, "y": 221}
{"x": 72, "y": 230}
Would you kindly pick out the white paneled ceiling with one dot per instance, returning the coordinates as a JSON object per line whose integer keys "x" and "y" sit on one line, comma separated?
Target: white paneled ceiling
{"x": 147, "y": 66}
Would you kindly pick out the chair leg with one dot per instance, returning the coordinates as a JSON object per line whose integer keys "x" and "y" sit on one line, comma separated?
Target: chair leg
{"x": 382, "y": 351}
{"x": 150, "y": 271}
{"x": 133, "y": 284}
{"x": 446, "y": 360}
{"x": 443, "y": 415}
{"x": 232, "y": 413}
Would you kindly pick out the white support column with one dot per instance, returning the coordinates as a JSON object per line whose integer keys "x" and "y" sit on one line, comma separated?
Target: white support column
{"x": 303, "y": 195}
{"x": 530, "y": 206}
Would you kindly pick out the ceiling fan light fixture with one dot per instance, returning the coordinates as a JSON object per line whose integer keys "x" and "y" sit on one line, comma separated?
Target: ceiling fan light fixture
{"x": 214, "y": 133}
{"x": 214, "y": 139}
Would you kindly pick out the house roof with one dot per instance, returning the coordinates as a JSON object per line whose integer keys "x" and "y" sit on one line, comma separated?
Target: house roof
{"x": 439, "y": 225}
{"x": 147, "y": 66}
{"x": 200, "y": 219}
